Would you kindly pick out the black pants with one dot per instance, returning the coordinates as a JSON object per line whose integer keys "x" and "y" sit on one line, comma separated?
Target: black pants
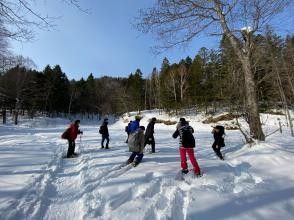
{"x": 71, "y": 148}
{"x": 151, "y": 141}
{"x": 102, "y": 141}
{"x": 216, "y": 149}
{"x": 138, "y": 156}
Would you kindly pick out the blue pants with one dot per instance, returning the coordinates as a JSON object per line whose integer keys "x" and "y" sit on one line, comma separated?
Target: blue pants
{"x": 139, "y": 157}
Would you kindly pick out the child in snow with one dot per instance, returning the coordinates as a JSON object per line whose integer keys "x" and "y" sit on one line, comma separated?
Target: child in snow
{"x": 71, "y": 134}
{"x": 187, "y": 143}
{"x": 149, "y": 134}
{"x": 105, "y": 134}
{"x": 136, "y": 146}
{"x": 218, "y": 132}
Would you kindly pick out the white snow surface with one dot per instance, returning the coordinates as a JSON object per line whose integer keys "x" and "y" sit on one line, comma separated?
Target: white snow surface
{"x": 36, "y": 182}
{"x": 247, "y": 29}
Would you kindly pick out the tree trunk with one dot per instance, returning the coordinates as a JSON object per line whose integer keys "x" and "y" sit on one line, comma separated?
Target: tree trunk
{"x": 4, "y": 116}
{"x": 16, "y": 111}
{"x": 151, "y": 94}
{"x": 252, "y": 102}
{"x": 70, "y": 103}
{"x": 16, "y": 117}
{"x": 145, "y": 98}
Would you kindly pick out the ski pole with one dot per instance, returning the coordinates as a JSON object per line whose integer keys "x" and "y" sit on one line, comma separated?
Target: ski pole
{"x": 81, "y": 143}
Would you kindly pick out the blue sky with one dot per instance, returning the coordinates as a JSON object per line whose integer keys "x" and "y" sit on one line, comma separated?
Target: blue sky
{"x": 102, "y": 42}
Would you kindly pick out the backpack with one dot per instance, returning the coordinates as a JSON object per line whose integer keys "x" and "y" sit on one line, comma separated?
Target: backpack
{"x": 101, "y": 129}
{"x": 188, "y": 139}
{"x": 134, "y": 141}
{"x": 65, "y": 134}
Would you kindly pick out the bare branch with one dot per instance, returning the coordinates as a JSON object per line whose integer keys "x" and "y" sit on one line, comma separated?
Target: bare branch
{"x": 20, "y": 18}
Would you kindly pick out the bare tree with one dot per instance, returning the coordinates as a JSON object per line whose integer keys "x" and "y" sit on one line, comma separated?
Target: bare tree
{"x": 183, "y": 72}
{"x": 147, "y": 81}
{"x": 157, "y": 87}
{"x": 171, "y": 83}
{"x": 19, "y": 18}
{"x": 4, "y": 52}
{"x": 179, "y": 21}
{"x": 284, "y": 99}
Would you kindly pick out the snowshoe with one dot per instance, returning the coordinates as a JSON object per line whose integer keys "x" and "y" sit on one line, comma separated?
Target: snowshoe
{"x": 180, "y": 175}
{"x": 185, "y": 171}
{"x": 197, "y": 175}
{"x": 71, "y": 156}
{"x": 135, "y": 163}
{"x": 128, "y": 162}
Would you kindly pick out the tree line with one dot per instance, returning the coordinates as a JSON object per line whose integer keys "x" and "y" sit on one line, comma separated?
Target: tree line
{"x": 179, "y": 22}
{"x": 213, "y": 79}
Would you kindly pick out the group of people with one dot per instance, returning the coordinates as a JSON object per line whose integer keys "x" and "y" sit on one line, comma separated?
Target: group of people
{"x": 139, "y": 137}
{"x": 137, "y": 141}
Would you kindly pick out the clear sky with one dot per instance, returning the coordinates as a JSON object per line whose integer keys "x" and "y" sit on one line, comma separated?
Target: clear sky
{"x": 102, "y": 42}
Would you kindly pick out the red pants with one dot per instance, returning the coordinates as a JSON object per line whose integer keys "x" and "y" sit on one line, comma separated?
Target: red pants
{"x": 190, "y": 152}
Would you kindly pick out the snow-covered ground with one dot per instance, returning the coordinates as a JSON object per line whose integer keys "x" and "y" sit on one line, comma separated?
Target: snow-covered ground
{"x": 37, "y": 183}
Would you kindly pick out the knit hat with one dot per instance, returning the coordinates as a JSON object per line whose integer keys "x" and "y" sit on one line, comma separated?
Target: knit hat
{"x": 138, "y": 117}
{"x": 182, "y": 120}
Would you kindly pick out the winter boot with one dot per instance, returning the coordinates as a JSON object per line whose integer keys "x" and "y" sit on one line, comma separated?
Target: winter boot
{"x": 185, "y": 171}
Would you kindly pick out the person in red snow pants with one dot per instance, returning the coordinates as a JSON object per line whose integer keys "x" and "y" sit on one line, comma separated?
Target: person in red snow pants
{"x": 190, "y": 152}
{"x": 187, "y": 144}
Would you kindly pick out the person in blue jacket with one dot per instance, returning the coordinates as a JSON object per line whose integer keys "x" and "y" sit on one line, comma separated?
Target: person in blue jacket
{"x": 134, "y": 125}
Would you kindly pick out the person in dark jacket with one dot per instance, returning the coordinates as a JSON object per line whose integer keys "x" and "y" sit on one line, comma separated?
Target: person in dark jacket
{"x": 218, "y": 132}
{"x": 104, "y": 133}
{"x": 149, "y": 135}
{"x": 187, "y": 144}
{"x": 73, "y": 132}
{"x": 127, "y": 130}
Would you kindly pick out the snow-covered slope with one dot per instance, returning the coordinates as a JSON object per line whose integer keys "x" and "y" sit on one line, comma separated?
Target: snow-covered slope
{"x": 36, "y": 183}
